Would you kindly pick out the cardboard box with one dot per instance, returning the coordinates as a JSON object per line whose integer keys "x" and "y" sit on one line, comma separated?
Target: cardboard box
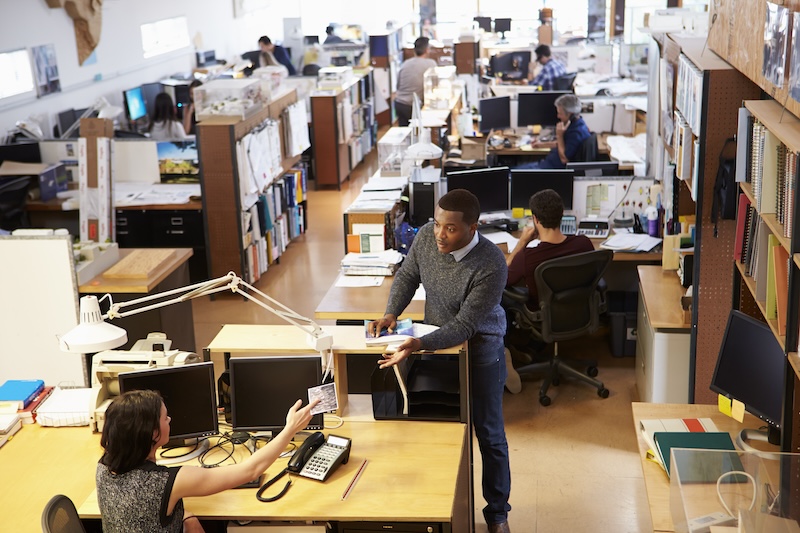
{"x": 474, "y": 148}
{"x": 545, "y": 34}
{"x": 97, "y": 127}
{"x": 52, "y": 180}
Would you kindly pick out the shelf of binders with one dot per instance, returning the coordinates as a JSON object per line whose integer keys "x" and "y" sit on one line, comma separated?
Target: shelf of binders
{"x": 762, "y": 304}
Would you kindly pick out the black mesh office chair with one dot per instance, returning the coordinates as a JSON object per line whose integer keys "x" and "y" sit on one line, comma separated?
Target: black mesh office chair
{"x": 60, "y": 516}
{"x": 312, "y": 69}
{"x": 570, "y": 305}
{"x": 588, "y": 149}
{"x": 13, "y": 197}
{"x": 565, "y": 82}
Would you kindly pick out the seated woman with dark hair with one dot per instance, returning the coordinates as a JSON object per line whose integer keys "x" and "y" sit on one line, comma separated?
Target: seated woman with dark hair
{"x": 164, "y": 125}
{"x": 571, "y": 131}
{"x": 137, "y": 495}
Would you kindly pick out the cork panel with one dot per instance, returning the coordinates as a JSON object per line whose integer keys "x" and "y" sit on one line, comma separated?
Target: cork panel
{"x": 323, "y": 118}
{"x": 725, "y": 89}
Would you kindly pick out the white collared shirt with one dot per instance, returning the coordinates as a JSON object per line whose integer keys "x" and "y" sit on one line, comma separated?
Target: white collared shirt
{"x": 461, "y": 253}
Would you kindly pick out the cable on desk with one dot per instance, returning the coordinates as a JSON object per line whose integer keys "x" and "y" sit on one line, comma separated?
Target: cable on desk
{"x": 223, "y": 440}
{"x": 630, "y": 183}
{"x": 733, "y": 473}
{"x": 336, "y": 418}
{"x": 164, "y": 455}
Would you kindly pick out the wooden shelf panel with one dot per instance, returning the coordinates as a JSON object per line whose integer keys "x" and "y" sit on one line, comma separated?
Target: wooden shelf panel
{"x": 794, "y": 360}
{"x": 784, "y": 125}
{"x": 775, "y": 227}
{"x": 762, "y": 305}
{"x": 796, "y": 258}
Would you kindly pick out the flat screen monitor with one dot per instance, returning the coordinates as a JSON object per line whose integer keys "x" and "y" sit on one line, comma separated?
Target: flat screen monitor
{"x": 750, "y": 368}
{"x": 595, "y": 168}
{"x": 502, "y": 25}
{"x": 484, "y": 23}
{"x": 490, "y": 185}
{"x": 24, "y": 152}
{"x": 538, "y": 108}
{"x": 495, "y": 113}
{"x": 263, "y": 389}
{"x": 135, "y": 104}
{"x": 149, "y": 92}
{"x": 188, "y": 392}
{"x": 526, "y": 183}
{"x": 511, "y": 66}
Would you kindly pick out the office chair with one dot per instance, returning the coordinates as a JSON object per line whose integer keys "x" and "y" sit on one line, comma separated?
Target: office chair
{"x": 13, "y": 197}
{"x": 570, "y": 305}
{"x": 565, "y": 82}
{"x": 312, "y": 69}
{"x": 587, "y": 151}
{"x": 60, "y": 516}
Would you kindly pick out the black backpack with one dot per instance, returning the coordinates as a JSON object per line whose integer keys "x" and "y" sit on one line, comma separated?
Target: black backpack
{"x": 725, "y": 190}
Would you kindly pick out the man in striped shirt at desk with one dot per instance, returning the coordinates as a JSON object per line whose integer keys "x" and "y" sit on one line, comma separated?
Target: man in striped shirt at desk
{"x": 551, "y": 68}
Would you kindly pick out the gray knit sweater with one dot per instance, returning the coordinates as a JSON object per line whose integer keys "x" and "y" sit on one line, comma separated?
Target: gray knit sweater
{"x": 462, "y": 298}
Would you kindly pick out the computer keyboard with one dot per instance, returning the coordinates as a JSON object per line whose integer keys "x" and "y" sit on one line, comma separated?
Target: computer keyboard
{"x": 569, "y": 224}
{"x": 594, "y": 229}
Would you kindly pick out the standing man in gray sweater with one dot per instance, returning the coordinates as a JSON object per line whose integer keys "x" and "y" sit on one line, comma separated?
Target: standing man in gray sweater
{"x": 464, "y": 275}
{"x": 410, "y": 80}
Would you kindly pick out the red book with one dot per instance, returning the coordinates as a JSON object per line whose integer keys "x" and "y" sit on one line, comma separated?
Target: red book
{"x": 741, "y": 217}
{"x": 28, "y": 415}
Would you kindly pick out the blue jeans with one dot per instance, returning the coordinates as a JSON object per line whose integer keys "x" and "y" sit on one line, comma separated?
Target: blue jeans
{"x": 488, "y": 373}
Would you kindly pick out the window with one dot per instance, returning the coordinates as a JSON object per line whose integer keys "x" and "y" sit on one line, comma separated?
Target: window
{"x": 164, "y": 36}
{"x": 17, "y": 75}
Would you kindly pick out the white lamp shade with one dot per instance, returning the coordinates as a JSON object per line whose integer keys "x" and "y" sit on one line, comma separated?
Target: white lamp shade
{"x": 92, "y": 334}
{"x": 424, "y": 151}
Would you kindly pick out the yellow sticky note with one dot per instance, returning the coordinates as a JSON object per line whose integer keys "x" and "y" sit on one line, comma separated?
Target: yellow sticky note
{"x": 517, "y": 212}
{"x": 737, "y": 410}
{"x": 724, "y": 405}
{"x": 528, "y": 213}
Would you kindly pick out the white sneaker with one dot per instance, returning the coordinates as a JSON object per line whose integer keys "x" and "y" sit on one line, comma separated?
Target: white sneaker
{"x": 513, "y": 381}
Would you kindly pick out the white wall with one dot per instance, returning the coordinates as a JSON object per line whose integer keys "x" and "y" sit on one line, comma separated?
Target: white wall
{"x": 120, "y": 64}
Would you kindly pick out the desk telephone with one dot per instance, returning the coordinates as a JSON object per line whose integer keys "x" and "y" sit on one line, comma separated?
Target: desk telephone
{"x": 315, "y": 459}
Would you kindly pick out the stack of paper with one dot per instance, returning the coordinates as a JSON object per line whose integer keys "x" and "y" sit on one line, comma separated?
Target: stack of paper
{"x": 383, "y": 263}
{"x": 631, "y": 242}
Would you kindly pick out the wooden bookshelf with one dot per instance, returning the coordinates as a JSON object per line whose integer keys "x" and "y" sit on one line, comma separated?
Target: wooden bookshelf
{"x": 750, "y": 283}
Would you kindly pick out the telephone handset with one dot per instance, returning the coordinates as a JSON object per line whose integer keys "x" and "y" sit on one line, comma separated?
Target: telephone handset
{"x": 317, "y": 458}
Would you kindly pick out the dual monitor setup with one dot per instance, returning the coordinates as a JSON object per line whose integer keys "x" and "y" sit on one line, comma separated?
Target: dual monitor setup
{"x": 261, "y": 391}
{"x": 501, "y": 25}
{"x": 140, "y": 102}
{"x": 534, "y": 108}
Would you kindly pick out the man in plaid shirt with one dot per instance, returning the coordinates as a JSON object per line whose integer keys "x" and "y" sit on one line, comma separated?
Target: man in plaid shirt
{"x": 551, "y": 68}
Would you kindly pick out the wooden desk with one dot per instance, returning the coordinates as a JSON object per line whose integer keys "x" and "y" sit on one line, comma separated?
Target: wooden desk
{"x": 417, "y": 472}
{"x": 39, "y": 463}
{"x": 174, "y": 320}
{"x": 363, "y": 303}
{"x": 239, "y": 340}
{"x": 655, "y": 479}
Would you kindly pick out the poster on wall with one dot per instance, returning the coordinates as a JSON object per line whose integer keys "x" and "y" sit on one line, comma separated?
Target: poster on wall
{"x": 794, "y": 60}
{"x": 776, "y": 30}
{"x": 46, "y": 69}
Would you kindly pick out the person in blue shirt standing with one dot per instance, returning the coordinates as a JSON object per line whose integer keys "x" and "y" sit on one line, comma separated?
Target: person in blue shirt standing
{"x": 272, "y": 54}
{"x": 551, "y": 68}
{"x": 571, "y": 131}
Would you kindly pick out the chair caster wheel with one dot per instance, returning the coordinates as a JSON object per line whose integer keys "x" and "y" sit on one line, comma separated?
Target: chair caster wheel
{"x": 591, "y": 371}
{"x": 555, "y": 382}
{"x": 545, "y": 400}
{"x": 603, "y": 393}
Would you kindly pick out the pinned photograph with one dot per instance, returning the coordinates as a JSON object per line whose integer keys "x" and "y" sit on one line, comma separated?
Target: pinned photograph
{"x": 776, "y": 31}
{"x": 328, "y": 401}
{"x": 794, "y": 69}
{"x": 46, "y": 68}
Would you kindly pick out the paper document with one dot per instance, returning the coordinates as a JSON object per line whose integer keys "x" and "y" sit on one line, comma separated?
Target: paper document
{"x": 65, "y": 407}
{"x": 631, "y": 242}
{"x": 359, "y": 281}
{"x": 405, "y": 329}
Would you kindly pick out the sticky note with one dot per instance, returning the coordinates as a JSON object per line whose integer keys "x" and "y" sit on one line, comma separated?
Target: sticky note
{"x": 724, "y": 405}
{"x": 737, "y": 410}
{"x": 517, "y": 212}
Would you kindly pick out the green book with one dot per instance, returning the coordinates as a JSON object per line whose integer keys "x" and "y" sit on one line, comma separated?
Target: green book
{"x": 704, "y": 468}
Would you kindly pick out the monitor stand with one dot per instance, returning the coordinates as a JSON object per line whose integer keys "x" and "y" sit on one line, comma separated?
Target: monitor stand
{"x": 201, "y": 446}
{"x": 746, "y": 436}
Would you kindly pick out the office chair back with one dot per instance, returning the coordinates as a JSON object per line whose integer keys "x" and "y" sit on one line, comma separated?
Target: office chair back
{"x": 565, "y": 82}
{"x": 569, "y": 302}
{"x": 588, "y": 149}
{"x": 312, "y": 69}
{"x": 13, "y": 197}
{"x": 60, "y": 516}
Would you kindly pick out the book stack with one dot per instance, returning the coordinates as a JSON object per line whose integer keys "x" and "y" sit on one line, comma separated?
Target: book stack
{"x": 9, "y": 425}
{"x": 20, "y": 392}
{"x": 383, "y": 263}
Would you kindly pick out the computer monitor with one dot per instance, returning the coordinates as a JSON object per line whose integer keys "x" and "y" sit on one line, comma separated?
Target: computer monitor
{"x": 189, "y": 394}
{"x": 495, "y": 113}
{"x": 595, "y": 168}
{"x": 750, "y": 368}
{"x": 526, "y": 183}
{"x": 538, "y": 108}
{"x": 484, "y": 23}
{"x": 263, "y": 389}
{"x": 502, "y": 25}
{"x": 511, "y": 66}
{"x": 135, "y": 105}
{"x": 490, "y": 185}
{"x": 149, "y": 92}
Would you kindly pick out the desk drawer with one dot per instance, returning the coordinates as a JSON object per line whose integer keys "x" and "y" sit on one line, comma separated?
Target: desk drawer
{"x": 178, "y": 229}
{"x": 133, "y": 229}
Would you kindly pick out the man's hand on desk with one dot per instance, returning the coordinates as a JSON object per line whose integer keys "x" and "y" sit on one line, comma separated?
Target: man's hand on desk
{"x": 402, "y": 352}
{"x": 388, "y": 322}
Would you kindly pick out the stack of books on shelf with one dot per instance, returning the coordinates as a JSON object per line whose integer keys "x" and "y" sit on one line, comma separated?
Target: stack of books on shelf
{"x": 773, "y": 176}
{"x": 689, "y": 92}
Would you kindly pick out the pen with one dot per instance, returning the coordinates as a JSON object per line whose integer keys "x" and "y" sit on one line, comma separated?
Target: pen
{"x": 355, "y": 480}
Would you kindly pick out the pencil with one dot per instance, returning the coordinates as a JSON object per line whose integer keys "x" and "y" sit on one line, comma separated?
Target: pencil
{"x": 355, "y": 480}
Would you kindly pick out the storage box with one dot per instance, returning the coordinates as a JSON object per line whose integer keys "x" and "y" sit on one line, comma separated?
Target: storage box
{"x": 229, "y": 97}
{"x": 474, "y": 148}
{"x": 622, "y": 315}
{"x": 391, "y": 150}
{"x": 96, "y": 127}
{"x": 439, "y": 83}
{"x": 333, "y": 77}
{"x": 52, "y": 181}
